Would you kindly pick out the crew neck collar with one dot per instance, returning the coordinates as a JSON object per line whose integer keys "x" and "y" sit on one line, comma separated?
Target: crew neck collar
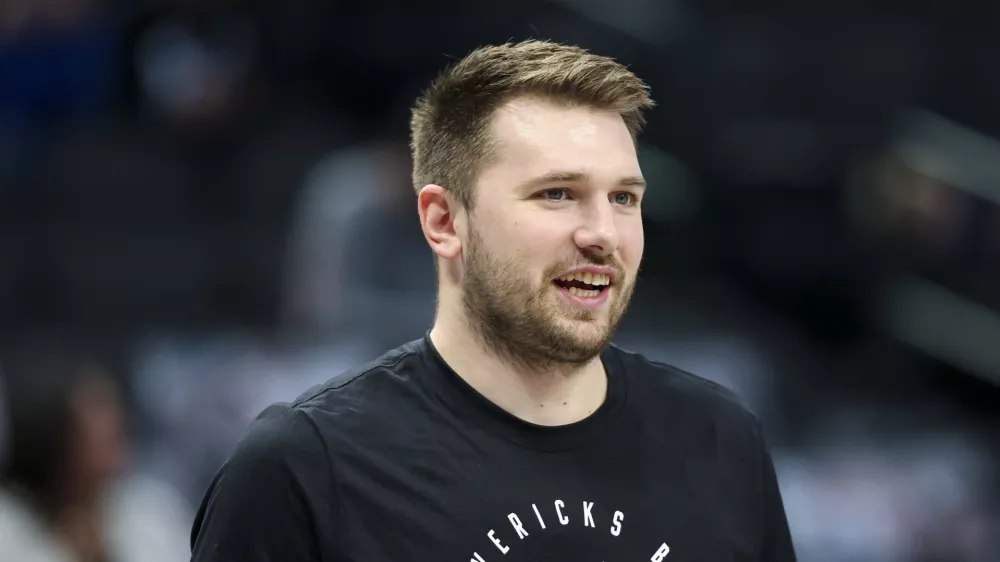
{"x": 475, "y": 408}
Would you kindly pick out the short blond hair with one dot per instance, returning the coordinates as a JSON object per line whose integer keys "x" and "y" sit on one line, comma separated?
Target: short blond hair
{"x": 449, "y": 126}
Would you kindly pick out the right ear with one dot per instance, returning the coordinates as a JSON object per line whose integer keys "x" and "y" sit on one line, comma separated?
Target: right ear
{"x": 439, "y": 215}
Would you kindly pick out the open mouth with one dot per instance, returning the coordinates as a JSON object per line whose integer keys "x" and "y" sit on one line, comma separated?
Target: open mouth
{"x": 584, "y": 284}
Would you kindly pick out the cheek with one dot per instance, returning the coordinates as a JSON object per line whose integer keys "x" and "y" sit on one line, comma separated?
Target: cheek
{"x": 541, "y": 244}
{"x": 527, "y": 237}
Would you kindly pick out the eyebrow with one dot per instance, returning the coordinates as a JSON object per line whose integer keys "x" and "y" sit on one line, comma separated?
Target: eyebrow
{"x": 576, "y": 177}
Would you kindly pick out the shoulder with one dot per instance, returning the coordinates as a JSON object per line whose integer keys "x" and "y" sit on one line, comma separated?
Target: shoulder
{"x": 692, "y": 398}
{"x": 279, "y": 441}
{"x": 705, "y": 422}
{"x": 280, "y": 465}
{"x": 363, "y": 399}
{"x": 394, "y": 367}
{"x": 665, "y": 378}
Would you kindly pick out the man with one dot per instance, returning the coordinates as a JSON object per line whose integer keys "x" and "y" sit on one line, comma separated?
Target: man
{"x": 514, "y": 430}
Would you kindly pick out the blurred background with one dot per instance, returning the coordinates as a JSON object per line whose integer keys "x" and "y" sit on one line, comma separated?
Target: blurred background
{"x": 205, "y": 207}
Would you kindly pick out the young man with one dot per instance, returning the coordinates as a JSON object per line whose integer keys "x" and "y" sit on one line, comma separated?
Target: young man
{"x": 514, "y": 430}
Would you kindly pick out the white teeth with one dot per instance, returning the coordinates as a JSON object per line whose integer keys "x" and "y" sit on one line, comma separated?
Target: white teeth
{"x": 588, "y": 278}
{"x": 583, "y": 292}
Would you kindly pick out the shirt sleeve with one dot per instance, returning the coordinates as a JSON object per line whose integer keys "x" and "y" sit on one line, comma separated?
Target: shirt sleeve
{"x": 777, "y": 543}
{"x": 271, "y": 497}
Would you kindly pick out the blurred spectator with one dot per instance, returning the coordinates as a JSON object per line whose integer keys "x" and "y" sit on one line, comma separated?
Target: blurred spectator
{"x": 359, "y": 264}
{"x": 64, "y": 495}
{"x": 193, "y": 63}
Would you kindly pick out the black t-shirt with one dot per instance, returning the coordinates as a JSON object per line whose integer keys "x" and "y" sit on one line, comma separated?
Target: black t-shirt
{"x": 404, "y": 461}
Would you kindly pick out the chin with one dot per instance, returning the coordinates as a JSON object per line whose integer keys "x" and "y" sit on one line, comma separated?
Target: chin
{"x": 586, "y": 321}
{"x": 587, "y": 334}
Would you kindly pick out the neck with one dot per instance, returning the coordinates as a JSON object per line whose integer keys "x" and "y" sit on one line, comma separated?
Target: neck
{"x": 544, "y": 394}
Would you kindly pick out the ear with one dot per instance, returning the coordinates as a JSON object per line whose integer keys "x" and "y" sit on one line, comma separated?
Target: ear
{"x": 440, "y": 218}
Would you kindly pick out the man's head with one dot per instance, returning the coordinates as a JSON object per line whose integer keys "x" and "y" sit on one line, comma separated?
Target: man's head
{"x": 529, "y": 190}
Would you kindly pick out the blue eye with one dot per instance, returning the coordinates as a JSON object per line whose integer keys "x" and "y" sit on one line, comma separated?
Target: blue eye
{"x": 623, "y": 198}
{"x": 554, "y": 194}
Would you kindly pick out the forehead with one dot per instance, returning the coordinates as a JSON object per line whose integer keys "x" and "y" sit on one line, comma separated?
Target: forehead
{"x": 535, "y": 136}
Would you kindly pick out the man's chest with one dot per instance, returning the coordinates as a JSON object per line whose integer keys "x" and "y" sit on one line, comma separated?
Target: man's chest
{"x": 559, "y": 508}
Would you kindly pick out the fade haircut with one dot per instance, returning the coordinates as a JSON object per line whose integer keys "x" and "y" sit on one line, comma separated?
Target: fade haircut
{"x": 449, "y": 126}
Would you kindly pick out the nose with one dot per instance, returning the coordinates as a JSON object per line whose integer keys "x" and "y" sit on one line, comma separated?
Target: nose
{"x": 598, "y": 233}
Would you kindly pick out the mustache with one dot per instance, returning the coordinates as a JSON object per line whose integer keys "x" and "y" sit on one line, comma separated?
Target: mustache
{"x": 601, "y": 261}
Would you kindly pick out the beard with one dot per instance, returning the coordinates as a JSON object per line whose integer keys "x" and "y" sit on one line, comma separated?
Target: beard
{"x": 523, "y": 321}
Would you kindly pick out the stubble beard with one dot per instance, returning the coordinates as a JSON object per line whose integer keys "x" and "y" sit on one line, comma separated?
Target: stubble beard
{"x": 519, "y": 322}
